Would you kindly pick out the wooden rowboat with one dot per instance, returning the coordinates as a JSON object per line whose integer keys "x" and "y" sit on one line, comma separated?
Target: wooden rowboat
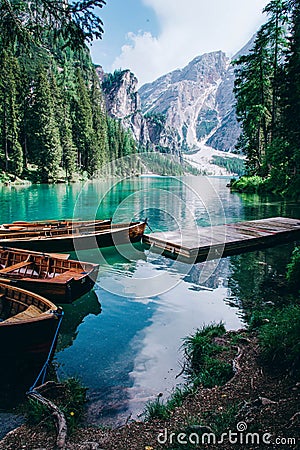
{"x": 28, "y": 333}
{"x": 60, "y": 280}
{"x": 49, "y": 225}
{"x": 75, "y": 237}
{"x": 28, "y": 323}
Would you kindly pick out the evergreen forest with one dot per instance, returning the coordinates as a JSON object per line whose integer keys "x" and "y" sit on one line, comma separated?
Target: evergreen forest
{"x": 53, "y": 123}
{"x": 267, "y": 90}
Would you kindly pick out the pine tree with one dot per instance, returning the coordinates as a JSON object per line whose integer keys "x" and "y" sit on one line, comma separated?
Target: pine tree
{"x": 66, "y": 139}
{"x": 83, "y": 125}
{"x": 24, "y": 101}
{"x": 11, "y": 150}
{"x": 258, "y": 89}
{"x": 61, "y": 99}
{"x": 75, "y": 22}
{"x": 253, "y": 93}
{"x": 99, "y": 124}
{"x": 276, "y": 29}
{"x": 292, "y": 111}
{"x": 44, "y": 140}
{"x": 112, "y": 136}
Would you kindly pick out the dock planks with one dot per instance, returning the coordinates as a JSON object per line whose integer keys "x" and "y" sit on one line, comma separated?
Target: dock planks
{"x": 198, "y": 244}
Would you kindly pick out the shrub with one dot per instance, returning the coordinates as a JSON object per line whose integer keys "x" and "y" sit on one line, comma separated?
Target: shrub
{"x": 258, "y": 318}
{"x": 250, "y": 184}
{"x": 280, "y": 339}
{"x": 293, "y": 271}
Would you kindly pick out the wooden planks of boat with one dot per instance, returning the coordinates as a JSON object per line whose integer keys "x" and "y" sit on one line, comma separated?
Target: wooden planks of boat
{"x": 53, "y": 255}
{"x": 48, "y": 225}
{"x": 75, "y": 238}
{"x": 28, "y": 323}
{"x": 60, "y": 280}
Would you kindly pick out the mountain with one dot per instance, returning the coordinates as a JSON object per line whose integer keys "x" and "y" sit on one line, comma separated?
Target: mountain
{"x": 225, "y": 135}
{"x": 182, "y": 110}
{"x": 187, "y": 98}
{"x": 123, "y": 102}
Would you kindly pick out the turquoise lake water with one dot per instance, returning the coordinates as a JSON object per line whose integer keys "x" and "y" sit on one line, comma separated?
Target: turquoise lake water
{"x": 123, "y": 339}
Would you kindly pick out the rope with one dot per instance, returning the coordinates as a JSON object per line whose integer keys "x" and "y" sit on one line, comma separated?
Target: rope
{"x": 146, "y": 222}
{"x": 43, "y": 370}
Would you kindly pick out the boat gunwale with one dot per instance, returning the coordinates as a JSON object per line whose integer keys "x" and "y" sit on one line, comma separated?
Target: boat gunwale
{"x": 54, "y": 225}
{"x": 45, "y": 315}
{"x": 112, "y": 229}
{"x": 86, "y": 268}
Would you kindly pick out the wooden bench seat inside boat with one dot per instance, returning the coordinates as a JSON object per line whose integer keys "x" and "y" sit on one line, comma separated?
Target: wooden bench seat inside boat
{"x": 65, "y": 276}
{"x": 14, "y": 267}
{"x": 30, "y": 313}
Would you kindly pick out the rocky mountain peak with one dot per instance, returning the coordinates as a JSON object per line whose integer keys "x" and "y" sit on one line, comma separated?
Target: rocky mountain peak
{"x": 120, "y": 91}
{"x": 187, "y": 97}
{"x": 181, "y": 110}
{"x": 204, "y": 68}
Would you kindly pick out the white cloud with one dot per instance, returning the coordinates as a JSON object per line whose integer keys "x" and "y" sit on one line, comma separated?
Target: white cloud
{"x": 134, "y": 54}
{"x": 189, "y": 28}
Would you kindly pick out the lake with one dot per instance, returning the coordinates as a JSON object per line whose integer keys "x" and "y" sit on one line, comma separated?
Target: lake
{"x": 123, "y": 340}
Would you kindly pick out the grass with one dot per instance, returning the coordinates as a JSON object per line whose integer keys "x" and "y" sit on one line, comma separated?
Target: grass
{"x": 157, "y": 409}
{"x": 178, "y": 396}
{"x": 216, "y": 422}
{"x": 214, "y": 373}
{"x": 222, "y": 421}
{"x": 278, "y": 326}
{"x": 278, "y": 330}
{"x": 279, "y": 336}
{"x": 71, "y": 402}
{"x": 204, "y": 367}
{"x": 200, "y": 345}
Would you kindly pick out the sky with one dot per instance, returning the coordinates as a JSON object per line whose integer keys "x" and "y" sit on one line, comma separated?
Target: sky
{"x": 154, "y": 37}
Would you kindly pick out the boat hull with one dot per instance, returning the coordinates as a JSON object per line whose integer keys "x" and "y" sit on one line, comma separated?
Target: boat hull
{"x": 59, "y": 292}
{"x": 26, "y": 334}
{"x": 26, "y": 352}
{"x": 27, "y": 339}
{"x": 113, "y": 235}
{"x": 30, "y": 339}
{"x": 59, "y": 280}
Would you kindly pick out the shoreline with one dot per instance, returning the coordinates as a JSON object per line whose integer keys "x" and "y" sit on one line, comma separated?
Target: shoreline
{"x": 266, "y": 403}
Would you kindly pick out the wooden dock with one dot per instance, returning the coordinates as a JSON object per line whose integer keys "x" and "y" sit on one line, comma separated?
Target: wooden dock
{"x": 213, "y": 242}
